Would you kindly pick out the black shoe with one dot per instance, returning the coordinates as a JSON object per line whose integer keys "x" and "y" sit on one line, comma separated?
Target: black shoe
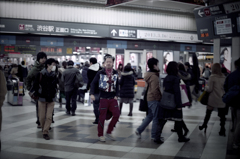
{"x": 222, "y": 132}
{"x": 73, "y": 114}
{"x": 186, "y": 132}
{"x": 130, "y": 114}
{"x": 46, "y": 137}
{"x": 50, "y": 128}
{"x": 183, "y": 139}
{"x": 173, "y": 130}
{"x": 158, "y": 141}
{"x": 53, "y": 122}
{"x": 68, "y": 112}
{"x": 203, "y": 127}
{"x": 95, "y": 122}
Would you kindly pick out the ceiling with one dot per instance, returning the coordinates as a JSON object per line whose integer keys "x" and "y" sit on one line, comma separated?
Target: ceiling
{"x": 163, "y": 5}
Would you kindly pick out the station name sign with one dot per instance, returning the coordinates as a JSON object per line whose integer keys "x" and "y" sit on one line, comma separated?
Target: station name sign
{"x": 218, "y": 21}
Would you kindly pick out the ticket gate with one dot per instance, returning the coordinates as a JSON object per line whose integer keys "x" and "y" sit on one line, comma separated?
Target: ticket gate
{"x": 15, "y": 92}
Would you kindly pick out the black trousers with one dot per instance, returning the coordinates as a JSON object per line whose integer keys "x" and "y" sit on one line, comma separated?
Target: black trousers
{"x": 71, "y": 96}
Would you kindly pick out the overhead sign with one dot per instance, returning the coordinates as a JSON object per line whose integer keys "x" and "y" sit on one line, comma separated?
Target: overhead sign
{"x": 218, "y": 21}
{"x": 123, "y": 32}
{"x": 117, "y": 2}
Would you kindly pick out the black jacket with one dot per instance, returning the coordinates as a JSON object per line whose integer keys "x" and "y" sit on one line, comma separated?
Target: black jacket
{"x": 171, "y": 84}
{"x": 100, "y": 83}
{"x": 84, "y": 74}
{"x": 231, "y": 80}
{"x": 46, "y": 88}
{"x": 91, "y": 73}
{"x": 127, "y": 84}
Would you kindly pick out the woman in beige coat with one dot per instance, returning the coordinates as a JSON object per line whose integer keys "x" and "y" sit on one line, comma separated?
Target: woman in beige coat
{"x": 216, "y": 91}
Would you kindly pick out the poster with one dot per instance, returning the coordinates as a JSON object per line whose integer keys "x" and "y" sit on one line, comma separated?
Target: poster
{"x": 225, "y": 58}
{"x": 223, "y": 26}
{"x": 119, "y": 60}
{"x": 149, "y": 55}
{"x": 134, "y": 59}
{"x": 167, "y": 57}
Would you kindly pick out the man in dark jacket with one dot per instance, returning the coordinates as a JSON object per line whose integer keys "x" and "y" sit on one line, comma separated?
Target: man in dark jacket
{"x": 38, "y": 66}
{"x": 232, "y": 80}
{"x": 91, "y": 73}
{"x": 47, "y": 79}
{"x": 24, "y": 71}
{"x": 107, "y": 80}
{"x": 68, "y": 77}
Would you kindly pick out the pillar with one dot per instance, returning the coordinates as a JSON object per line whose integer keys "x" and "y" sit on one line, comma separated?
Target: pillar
{"x": 235, "y": 50}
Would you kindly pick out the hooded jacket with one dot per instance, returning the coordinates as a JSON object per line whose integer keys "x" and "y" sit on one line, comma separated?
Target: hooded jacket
{"x": 46, "y": 88}
{"x": 101, "y": 83}
{"x": 37, "y": 67}
{"x": 91, "y": 73}
{"x": 152, "y": 79}
{"x": 127, "y": 84}
{"x": 216, "y": 90}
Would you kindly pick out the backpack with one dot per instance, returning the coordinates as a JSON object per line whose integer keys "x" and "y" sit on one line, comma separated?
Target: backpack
{"x": 232, "y": 93}
{"x": 78, "y": 82}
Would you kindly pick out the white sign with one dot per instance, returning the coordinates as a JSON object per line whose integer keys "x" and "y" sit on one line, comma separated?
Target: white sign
{"x": 123, "y": 33}
{"x": 62, "y": 30}
{"x": 161, "y": 35}
{"x": 45, "y": 28}
{"x": 232, "y": 7}
{"x": 200, "y": 13}
{"x": 223, "y": 26}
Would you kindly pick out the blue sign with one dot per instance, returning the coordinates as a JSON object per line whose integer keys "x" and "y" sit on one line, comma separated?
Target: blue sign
{"x": 7, "y": 39}
{"x": 49, "y": 41}
{"x": 116, "y": 44}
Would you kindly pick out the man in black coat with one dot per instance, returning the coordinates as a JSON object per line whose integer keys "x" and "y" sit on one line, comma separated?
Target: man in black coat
{"x": 91, "y": 73}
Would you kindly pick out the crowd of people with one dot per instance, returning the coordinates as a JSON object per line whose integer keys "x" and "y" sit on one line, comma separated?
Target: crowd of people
{"x": 105, "y": 85}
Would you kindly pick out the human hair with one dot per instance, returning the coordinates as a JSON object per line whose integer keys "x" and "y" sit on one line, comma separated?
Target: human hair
{"x": 49, "y": 62}
{"x": 151, "y": 62}
{"x": 225, "y": 49}
{"x": 187, "y": 64}
{"x": 93, "y": 60}
{"x": 108, "y": 56}
{"x": 70, "y": 63}
{"x": 237, "y": 63}
{"x": 127, "y": 68}
{"x": 181, "y": 67}
{"x": 164, "y": 58}
{"x": 56, "y": 61}
{"x": 207, "y": 67}
{"x": 119, "y": 67}
{"x": 172, "y": 68}
{"x": 86, "y": 64}
{"x": 139, "y": 67}
{"x": 23, "y": 62}
{"x": 41, "y": 55}
{"x": 64, "y": 64}
{"x": 216, "y": 69}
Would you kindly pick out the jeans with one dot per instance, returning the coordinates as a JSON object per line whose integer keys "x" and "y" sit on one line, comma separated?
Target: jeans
{"x": 71, "y": 95}
{"x": 96, "y": 106}
{"x": 152, "y": 116}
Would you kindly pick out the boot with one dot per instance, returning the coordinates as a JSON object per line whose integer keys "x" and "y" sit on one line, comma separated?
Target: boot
{"x": 121, "y": 104}
{"x": 222, "y": 124}
{"x": 184, "y": 126}
{"x": 179, "y": 128}
{"x": 130, "y": 109}
{"x": 206, "y": 119}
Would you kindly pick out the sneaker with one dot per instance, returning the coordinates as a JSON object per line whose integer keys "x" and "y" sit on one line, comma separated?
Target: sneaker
{"x": 110, "y": 137}
{"x": 138, "y": 134}
{"x": 46, "y": 137}
{"x": 158, "y": 141}
{"x": 102, "y": 139}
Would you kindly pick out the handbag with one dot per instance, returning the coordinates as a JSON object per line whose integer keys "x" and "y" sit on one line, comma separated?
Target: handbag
{"x": 87, "y": 100}
{"x": 168, "y": 101}
{"x": 204, "y": 99}
{"x": 143, "y": 104}
{"x": 184, "y": 97}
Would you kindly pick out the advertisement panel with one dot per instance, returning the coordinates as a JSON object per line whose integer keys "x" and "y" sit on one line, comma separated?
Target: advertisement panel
{"x": 167, "y": 57}
{"x": 225, "y": 58}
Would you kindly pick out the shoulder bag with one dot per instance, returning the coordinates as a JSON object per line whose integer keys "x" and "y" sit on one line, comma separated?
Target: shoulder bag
{"x": 143, "y": 105}
{"x": 168, "y": 101}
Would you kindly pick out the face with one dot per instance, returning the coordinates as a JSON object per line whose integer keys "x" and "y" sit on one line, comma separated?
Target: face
{"x": 51, "y": 66}
{"x": 43, "y": 60}
{"x": 109, "y": 63}
{"x": 226, "y": 54}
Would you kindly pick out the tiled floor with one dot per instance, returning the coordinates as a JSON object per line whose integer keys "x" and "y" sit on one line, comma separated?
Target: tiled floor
{"x": 76, "y": 137}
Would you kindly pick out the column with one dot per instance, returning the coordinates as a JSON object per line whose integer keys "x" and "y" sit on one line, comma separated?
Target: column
{"x": 112, "y": 52}
{"x": 216, "y": 51}
{"x": 235, "y": 50}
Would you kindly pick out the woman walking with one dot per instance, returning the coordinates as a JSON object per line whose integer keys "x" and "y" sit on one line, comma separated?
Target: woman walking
{"x": 216, "y": 90}
{"x": 46, "y": 87}
{"x": 127, "y": 83}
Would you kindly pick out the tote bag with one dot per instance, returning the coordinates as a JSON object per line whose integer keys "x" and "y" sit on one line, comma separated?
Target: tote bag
{"x": 87, "y": 100}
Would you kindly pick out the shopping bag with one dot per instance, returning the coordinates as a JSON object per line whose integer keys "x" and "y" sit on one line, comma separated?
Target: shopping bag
{"x": 184, "y": 96}
{"x": 200, "y": 98}
{"x": 204, "y": 99}
{"x": 87, "y": 100}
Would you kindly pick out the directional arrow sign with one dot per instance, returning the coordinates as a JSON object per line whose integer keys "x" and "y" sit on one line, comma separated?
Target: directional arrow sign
{"x": 113, "y": 32}
{"x": 200, "y": 13}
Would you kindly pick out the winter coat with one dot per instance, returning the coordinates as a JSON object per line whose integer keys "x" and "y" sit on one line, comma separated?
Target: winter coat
{"x": 127, "y": 84}
{"x": 231, "y": 80}
{"x": 216, "y": 90}
{"x": 101, "y": 83}
{"x": 46, "y": 87}
{"x": 68, "y": 77}
{"x": 3, "y": 92}
{"x": 91, "y": 73}
{"x": 152, "y": 79}
{"x": 84, "y": 74}
{"x": 37, "y": 67}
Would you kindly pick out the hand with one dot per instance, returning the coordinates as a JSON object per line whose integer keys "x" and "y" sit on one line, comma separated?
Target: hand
{"x": 179, "y": 108}
{"x": 92, "y": 97}
{"x": 116, "y": 97}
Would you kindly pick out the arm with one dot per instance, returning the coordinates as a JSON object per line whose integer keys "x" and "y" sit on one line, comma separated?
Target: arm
{"x": 185, "y": 78}
{"x": 155, "y": 86}
{"x": 177, "y": 93}
{"x": 210, "y": 85}
{"x": 63, "y": 77}
{"x": 36, "y": 84}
